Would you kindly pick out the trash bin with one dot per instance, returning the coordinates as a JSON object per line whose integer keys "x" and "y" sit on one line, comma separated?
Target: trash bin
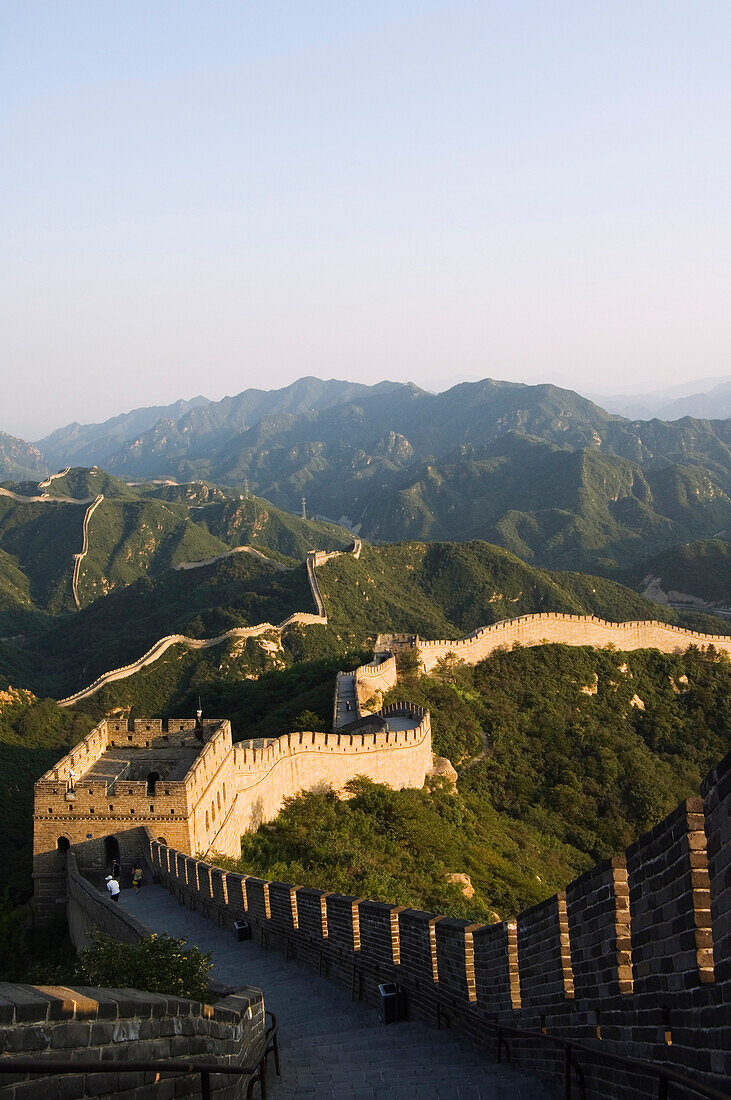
{"x": 389, "y": 1002}
{"x": 242, "y": 930}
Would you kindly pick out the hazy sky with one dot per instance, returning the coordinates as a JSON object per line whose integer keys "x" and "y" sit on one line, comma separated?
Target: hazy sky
{"x": 200, "y": 197}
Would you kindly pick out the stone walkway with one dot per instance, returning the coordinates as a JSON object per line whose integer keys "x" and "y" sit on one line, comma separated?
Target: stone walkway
{"x": 331, "y": 1047}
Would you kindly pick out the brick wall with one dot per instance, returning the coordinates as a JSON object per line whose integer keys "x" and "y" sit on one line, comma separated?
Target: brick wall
{"x": 632, "y": 957}
{"x": 98, "y": 1025}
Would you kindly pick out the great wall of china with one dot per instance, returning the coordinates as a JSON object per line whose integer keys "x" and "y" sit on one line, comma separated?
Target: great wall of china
{"x": 301, "y": 618}
{"x": 528, "y": 630}
{"x": 632, "y": 956}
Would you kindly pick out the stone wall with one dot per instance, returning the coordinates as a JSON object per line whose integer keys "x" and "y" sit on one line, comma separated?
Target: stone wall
{"x": 577, "y": 630}
{"x": 299, "y": 618}
{"x": 98, "y": 1025}
{"x": 264, "y": 777}
{"x": 375, "y": 679}
{"x": 632, "y": 957}
{"x": 89, "y": 910}
{"x": 228, "y": 790}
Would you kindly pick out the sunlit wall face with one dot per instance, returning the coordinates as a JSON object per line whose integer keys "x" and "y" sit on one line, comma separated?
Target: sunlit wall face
{"x": 205, "y": 197}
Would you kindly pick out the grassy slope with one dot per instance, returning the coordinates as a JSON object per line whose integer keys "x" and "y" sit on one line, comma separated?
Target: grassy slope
{"x": 40, "y": 541}
{"x": 448, "y": 589}
{"x": 135, "y": 538}
{"x": 437, "y": 590}
{"x": 556, "y": 508}
{"x": 202, "y": 603}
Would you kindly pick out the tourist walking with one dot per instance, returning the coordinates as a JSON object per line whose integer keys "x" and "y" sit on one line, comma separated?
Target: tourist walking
{"x": 137, "y": 878}
{"x": 113, "y": 888}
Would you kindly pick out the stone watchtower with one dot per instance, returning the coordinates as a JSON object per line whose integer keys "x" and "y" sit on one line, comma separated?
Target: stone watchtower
{"x": 123, "y": 786}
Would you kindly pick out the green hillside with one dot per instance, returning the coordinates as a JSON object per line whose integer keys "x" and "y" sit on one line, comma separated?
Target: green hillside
{"x": 562, "y": 509}
{"x": 565, "y": 755}
{"x": 129, "y": 539}
{"x": 241, "y": 590}
{"x": 38, "y": 542}
{"x": 439, "y": 590}
{"x": 442, "y": 590}
{"x": 537, "y": 469}
{"x": 246, "y": 520}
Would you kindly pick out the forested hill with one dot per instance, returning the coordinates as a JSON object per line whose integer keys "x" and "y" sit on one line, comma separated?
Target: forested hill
{"x": 564, "y": 756}
{"x": 135, "y": 532}
{"x": 697, "y": 572}
{"x": 445, "y": 590}
{"x": 439, "y": 590}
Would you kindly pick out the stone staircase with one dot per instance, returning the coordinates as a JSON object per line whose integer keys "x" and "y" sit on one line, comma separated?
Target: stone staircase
{"x": 330, "y": 1046}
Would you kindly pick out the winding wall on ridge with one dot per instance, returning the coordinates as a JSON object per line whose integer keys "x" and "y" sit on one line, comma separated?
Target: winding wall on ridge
{"x": 550, "y": 626}
{"x": 299, "y": 618}
{"x": 78, "y": 558}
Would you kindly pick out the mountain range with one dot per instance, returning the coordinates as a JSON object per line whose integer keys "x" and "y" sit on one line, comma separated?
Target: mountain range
{"x": 540, "y": 470}
{"x": 700, "y": 399}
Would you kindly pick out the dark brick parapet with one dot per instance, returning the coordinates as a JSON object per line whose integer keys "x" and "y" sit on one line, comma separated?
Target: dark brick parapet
{"x": 633, "y": 955}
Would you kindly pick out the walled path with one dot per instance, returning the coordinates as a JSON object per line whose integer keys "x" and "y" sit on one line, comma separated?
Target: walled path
{"x": 330, "y": 1046}
{"x": 344, "y": 695}
{"x": 161, "y": 646}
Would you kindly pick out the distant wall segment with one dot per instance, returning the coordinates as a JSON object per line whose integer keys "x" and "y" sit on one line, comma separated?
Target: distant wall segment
{"x": 576, "y": 630}
{"x": 298, "y": 618}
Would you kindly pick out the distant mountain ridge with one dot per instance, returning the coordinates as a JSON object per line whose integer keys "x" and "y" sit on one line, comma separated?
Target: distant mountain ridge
{"x": 92, "y": 444}
{"x": 538, "y": 469}
{"x": 20, "y": 460}
{"x": 699, "y": 399}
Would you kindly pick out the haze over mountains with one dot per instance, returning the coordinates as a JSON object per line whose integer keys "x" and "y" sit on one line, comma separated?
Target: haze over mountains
{"x": 539, "y": 470}
{"x": 706, "y": 397}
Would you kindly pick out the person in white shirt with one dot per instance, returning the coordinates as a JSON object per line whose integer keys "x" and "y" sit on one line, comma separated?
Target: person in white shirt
{"x": 113, "y": 888}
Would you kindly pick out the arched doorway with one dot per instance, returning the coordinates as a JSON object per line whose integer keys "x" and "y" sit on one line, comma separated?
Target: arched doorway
{"x": 152, "y": 779}
{"x": 162, "y": 840}
{"x": 111, "y": 850}
{"x": 63, "y": 844}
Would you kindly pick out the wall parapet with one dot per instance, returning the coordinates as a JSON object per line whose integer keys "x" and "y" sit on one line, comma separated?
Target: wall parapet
{"x": 558, "y": 627}
{"x": 87, "y": 1024}
{"x": 585, "y": 962}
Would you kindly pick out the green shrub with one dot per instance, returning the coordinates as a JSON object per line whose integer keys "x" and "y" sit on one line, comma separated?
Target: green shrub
{"x": 159, "y": 964}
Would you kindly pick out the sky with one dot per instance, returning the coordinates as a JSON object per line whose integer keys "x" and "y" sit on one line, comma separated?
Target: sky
{"x": 202, "y": 197}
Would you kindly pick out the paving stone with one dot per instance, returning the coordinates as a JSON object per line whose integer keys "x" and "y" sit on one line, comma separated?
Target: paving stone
{"x": 331, "y": 1047}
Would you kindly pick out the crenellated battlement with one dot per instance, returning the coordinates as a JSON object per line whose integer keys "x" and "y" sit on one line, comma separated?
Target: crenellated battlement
{"x": 633, "y": 953}
{"x": 549, "y": 626}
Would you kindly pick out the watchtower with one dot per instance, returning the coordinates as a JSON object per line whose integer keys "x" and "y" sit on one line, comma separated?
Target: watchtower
{"x": 124, "y": 785}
